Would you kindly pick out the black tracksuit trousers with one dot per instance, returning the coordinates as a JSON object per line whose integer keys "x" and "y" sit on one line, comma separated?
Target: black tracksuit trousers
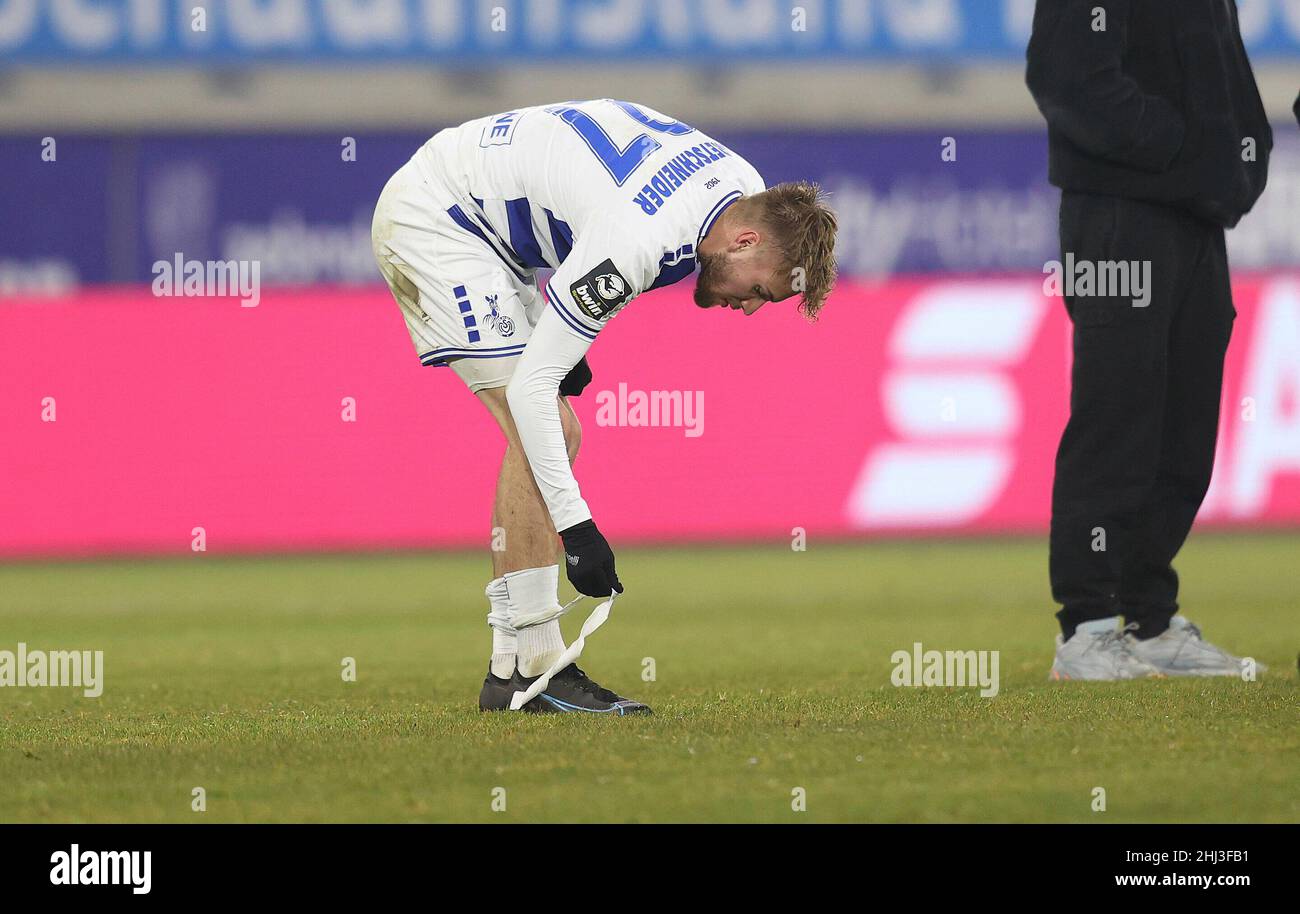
{"x": 1135, "y": 460}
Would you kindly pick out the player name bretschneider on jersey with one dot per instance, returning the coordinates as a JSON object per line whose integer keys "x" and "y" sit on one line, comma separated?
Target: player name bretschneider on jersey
{"x": 678, "y": 170}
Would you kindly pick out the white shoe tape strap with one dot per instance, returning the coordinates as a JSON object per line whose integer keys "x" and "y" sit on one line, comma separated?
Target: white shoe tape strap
{"x": 571, "y": 653}
{"x": 543, "y": 616}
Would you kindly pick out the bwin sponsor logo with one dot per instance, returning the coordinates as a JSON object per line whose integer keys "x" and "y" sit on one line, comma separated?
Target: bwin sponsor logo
{"x": 610, "y": 286}
{"x": 78, "y": 867}
{"x": 962, "y": 669}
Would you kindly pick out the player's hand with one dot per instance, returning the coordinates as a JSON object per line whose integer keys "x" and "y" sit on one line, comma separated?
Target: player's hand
{"x": 576, "y": 380}
{"x": 589, "y": 561}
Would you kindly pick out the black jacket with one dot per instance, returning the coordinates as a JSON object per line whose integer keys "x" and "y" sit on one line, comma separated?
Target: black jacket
{"x": 1157, "y": 106}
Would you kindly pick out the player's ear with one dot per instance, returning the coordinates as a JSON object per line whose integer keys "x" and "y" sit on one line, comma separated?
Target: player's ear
{"x": 747, "y": 239}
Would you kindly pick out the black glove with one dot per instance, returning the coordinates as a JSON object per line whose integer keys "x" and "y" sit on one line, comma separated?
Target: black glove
{"x": 578, "y": 377}
{"x": 589, "y": 561}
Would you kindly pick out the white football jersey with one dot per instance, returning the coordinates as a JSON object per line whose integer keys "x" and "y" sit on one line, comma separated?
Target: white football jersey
{"x": 614, "y": 196}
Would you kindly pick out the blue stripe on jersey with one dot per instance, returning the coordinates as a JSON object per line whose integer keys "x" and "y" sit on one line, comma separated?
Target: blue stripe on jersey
{"x": 458, "y": 216}
{"x": 565, "y": 316}
{"x": 716, "y": 212}
{"x": 484, "y": 221}
{"x": 487, "y": 224}
{"x": 523, "y": 241}
{"x": 561, "y": 236}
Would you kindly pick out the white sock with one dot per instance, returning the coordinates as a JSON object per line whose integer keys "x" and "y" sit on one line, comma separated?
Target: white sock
{"x": 504, "y": 638}
{"x": 534, "y": 601}
{"x": 539, "y": 647}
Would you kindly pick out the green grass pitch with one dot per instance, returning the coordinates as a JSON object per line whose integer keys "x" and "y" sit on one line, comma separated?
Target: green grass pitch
{"x": 772, "y": 671}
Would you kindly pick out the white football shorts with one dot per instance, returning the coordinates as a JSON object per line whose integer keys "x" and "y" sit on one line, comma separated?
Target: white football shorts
{"x": 464, "y": 304}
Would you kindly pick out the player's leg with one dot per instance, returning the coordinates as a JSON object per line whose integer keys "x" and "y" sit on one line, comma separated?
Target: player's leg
{"x": 528, "y": 567}
{"x": 525, "y": 549}
{"x": 518, "y": 512}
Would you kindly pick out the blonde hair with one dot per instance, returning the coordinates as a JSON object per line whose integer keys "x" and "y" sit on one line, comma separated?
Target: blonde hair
{"x": 803, "y": 228}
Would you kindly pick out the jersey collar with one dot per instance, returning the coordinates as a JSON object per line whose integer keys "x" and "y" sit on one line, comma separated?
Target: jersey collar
{"x": 718, "y": 209}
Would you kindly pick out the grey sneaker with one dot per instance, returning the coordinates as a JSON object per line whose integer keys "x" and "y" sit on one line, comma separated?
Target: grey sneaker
{"x": 1181, "y": 651}
{"x": 1099, "y": 651}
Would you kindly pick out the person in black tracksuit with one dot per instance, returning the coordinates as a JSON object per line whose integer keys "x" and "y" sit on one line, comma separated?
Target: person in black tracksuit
{"x": 1159, "y": 141}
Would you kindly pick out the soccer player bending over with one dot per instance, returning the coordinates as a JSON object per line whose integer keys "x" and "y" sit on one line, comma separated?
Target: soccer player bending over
{"x": 618, "y": 199}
